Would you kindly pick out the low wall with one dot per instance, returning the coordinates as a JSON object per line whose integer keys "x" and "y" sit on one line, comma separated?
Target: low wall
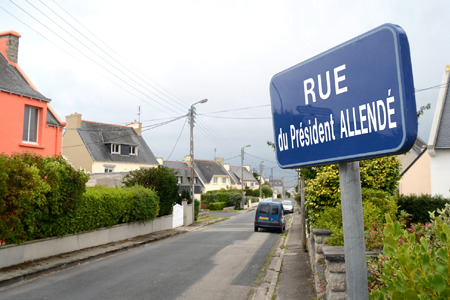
{"x": 16, "y": 254}
{"x": 316, "y": 242}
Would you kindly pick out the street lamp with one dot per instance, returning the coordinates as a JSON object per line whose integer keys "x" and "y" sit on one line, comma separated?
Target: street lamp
{"x": 191, "y": 115}
{"x": 242, "y": 174}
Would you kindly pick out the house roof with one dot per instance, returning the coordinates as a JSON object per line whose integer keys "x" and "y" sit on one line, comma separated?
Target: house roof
{"x": 206, "y": 169}
{"x": 181, "y": 168}
{"x": 98, "y": 137}
{"x": 237, "y": 173}
{"x": 440, "y": 129}
{"x": 12, "y": 81}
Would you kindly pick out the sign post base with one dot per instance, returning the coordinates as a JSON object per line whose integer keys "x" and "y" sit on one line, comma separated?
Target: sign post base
{"x": 353, "y": 225}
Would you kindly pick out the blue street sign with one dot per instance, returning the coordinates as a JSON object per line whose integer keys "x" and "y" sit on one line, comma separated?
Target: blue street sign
{"x": 352, "y": 102}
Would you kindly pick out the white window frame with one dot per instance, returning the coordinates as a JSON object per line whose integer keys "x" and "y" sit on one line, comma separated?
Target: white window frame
{"x": 114, "y": 150}
{"x": 29, "y": 126}
{"x": 215, "y": 180}
{"x": 109, "y": 170}
{"x": 180, "y": 179}
{"x": 133, "y": 150}
{"x": 224, "y": 180}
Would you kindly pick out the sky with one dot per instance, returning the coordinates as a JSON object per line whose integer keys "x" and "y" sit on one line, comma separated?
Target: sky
{"x": 120, "y": 61}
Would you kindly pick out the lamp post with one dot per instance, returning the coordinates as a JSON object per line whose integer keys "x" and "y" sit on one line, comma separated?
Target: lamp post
{"x": 242, "y": 175}
{"x": 191, "y": 115}
{"x": 260, "y": 177}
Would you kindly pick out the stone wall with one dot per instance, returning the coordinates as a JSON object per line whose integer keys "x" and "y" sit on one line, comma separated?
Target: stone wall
{"x": 316, "y": 242}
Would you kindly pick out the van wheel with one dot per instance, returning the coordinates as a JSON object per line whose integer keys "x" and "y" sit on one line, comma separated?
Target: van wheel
{"x": 256, "y": 228}
{"x": 282, "y": 229}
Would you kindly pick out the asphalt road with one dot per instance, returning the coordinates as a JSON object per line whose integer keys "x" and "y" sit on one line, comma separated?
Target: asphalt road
{"x": 220, "y": 261}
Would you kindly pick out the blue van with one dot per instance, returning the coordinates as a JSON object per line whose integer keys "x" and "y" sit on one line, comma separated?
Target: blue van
{"x": 270, "y": 215}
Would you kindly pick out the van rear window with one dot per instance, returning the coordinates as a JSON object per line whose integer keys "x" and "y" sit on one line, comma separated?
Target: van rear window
{"x": 264, "y": 209}
{"x": 274, "y": 210}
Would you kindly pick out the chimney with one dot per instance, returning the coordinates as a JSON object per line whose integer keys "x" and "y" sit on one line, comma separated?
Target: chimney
{"x": 73, "y": 121}
{"x": 9, "y": 45}
{"x": 137, "y": 126}
{"x": 219, "y": 160}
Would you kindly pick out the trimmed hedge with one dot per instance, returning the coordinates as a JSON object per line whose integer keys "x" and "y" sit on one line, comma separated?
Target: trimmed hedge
{"x": 36, "y": 194}
{"x": 217, "y": 205}
{"x": 420, "y": 206}
{"x": 42, "y": 197}
{"x": 231, "y": 197}
{"x": 105, "y": 207}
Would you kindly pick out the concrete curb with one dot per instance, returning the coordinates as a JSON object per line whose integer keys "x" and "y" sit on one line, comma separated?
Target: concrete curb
{"x": 17, "y": 273}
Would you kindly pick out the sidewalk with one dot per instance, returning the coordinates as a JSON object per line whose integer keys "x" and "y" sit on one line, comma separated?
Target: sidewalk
{"x": 288, "y": 275}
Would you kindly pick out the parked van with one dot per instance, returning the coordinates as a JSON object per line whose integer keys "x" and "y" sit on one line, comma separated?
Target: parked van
{"x": 270, "y": 215}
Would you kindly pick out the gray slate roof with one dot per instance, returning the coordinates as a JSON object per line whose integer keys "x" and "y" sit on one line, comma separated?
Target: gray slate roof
{"x": 237, "y": 173}
{"x": 443, "y": 136}
{"x": 206, "y": 169}
{"x": 98, "y": 138}
{"x": 12, "y": 81}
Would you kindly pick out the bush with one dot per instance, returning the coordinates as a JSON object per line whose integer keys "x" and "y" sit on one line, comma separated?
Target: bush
{"x": 231, "y": 197}
{"x": 412, "y": 269}
{"x": 36, "y": 193}
{"x": 376, "y": 205}
{"x": 105, "y": 207}
{"x": 162, "y": 180}
{"x": 266, "y": 191}
{"x": 381, "y": 174}
{"x": 217, "y": 205}
{"x": 420, "y": 206}
{"x": 196, "y": 209}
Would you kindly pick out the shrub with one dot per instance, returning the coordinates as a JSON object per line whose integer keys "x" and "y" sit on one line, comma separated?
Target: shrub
{"x": 381, "y": 174}
{"x": 412, "y": 269}
{"x": 105, "y": 207}
{"x": 217, "y": 205}
{"x": 196, "y": 209}
{"x": 266, "y": 191}
{"x": 420, "y": 206}
{"x": 162, "y": 180}
{"x": 35, "y": 194}
{"x": 376, "y": 205}
{"x": 185, "y": 194}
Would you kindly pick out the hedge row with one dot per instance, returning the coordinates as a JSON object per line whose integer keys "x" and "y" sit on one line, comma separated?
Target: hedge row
{"x": 217, "y": 205}
{"x": 230, "y": 197}
{"x": 420, "y": 206}
{"x": 105, "y": 207}
{"x": 36, "y": 193}
{"x": 45, "y": 196}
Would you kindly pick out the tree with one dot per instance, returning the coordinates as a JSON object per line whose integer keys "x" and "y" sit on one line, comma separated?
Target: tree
{"x": 162, "y": 180}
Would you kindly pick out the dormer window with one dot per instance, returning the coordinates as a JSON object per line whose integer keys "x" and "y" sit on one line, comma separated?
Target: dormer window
{"x": 133, "y": 150}
{"x": 115, "y": 148}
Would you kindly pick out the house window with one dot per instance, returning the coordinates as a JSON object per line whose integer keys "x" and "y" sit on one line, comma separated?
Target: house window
{"x": 215, "y": 180}
{"x": 30, "y": 124}
{"x": 133, "y": 150}
{"x": 115, "y": 148}
{"x": 224, "y": 180}
{"x": 252, "y": 184}
{"x": 109, "y": 170}
{"x": 180, "y": 179}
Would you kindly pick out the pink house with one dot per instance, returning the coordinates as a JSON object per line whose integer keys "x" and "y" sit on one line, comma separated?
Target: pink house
{"x": 28, "y": 122}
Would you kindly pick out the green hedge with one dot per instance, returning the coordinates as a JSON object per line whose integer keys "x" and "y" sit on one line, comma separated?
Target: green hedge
{"x": 420, "y": 206}
{"x": 231, "y": 197}
{"x": 105, "y": 207}
{"x": 217, "y": 205}
{"x": 36, "y": 194}
{"x": 42, "y": 197}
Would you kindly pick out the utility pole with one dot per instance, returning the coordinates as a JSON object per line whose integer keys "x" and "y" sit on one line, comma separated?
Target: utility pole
{"x": 242, "y": 176}
{"x": 191, "y": 118}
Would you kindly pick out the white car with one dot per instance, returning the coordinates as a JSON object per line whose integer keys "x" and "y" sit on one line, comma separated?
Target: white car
{"x": 288, "y": 205}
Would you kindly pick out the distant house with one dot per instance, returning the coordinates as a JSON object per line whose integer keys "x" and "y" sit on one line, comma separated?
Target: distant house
{"x": 236, "y": 173}
{"x": 439, "y": 141}
{"x": 183, "y": 173}
{"x": 277, "y": 185}
{"x": 105, "y": 148}
{"x": 415, "y": 170}
{"x": 212, "y": 174}
{"x": 28, "y": 123}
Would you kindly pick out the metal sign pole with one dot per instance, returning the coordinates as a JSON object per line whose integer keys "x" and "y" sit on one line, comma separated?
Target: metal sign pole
{"x": 353, "y": 225}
